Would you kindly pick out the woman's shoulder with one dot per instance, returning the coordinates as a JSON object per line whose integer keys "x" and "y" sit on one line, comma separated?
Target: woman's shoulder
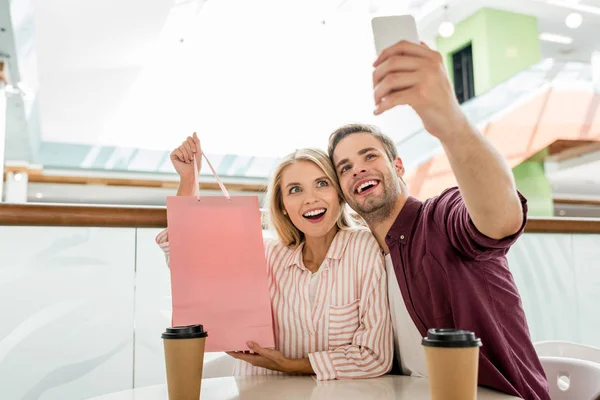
{"x": 275, "y": 249}
{"x": 361, "y": 238}
{"x": 363, "y": 254}
{"x": 271, "y": 244}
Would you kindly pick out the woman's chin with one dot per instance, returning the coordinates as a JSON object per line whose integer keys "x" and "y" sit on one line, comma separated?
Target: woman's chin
{"x": 319, "y": 230}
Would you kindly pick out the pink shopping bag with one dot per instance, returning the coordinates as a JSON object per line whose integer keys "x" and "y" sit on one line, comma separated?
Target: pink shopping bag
{"x": 218, "y": 269}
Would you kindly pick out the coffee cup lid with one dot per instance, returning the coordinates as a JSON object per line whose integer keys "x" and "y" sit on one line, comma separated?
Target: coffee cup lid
{"x": 185, "y": 332}
{"x": 450, "y": 338}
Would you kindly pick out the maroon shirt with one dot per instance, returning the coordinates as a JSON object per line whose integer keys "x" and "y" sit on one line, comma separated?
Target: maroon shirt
{"x": 453, "y": 276}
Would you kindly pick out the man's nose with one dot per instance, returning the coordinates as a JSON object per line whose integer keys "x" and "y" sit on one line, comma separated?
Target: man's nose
{"x": 358, "y": 170}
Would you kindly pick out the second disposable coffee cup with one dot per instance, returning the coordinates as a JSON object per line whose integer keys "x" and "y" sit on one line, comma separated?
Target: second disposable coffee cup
{"x": 452, "y": 363}
{"x": 184, "y": 359}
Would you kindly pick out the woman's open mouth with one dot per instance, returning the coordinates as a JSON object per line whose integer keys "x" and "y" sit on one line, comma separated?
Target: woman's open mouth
{"x": 315, "y": 215}
{"x": 366, "y": 187}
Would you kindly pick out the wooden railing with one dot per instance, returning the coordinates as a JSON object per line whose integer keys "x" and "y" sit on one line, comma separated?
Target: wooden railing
{"x": 38, "y": 176}
{"x": 156, "y": 217}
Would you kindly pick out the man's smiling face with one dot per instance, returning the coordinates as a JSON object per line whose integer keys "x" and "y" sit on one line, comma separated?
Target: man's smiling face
{"x": 369, "y": 181}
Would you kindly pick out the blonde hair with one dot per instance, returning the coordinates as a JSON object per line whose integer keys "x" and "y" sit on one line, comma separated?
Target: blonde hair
{"x": 284, "y": 228}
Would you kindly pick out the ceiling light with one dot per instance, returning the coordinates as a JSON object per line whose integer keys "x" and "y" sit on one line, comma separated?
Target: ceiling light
{"x": 39, "y": 195}
{"x": 573, "y": 5}
{"x": 554, "y": 38}
{"x": 446, "y": 29}
{"x": 18, "y": 177}
{"x": 574, "y": 20}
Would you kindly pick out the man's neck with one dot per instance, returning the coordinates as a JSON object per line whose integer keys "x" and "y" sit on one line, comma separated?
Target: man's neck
{"x": 381, "y": 227}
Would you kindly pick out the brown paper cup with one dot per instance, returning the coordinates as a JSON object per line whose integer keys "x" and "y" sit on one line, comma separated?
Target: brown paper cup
{"x": 452, "y": 364}
{"x": 184, "y": 360}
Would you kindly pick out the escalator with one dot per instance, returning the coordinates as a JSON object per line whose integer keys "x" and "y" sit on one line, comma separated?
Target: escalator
{"x": 501, "y": 99}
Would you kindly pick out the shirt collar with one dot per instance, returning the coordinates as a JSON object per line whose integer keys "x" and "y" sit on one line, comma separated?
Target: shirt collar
{"x": 335, "y": 252}
{"x": 405, "y": 221}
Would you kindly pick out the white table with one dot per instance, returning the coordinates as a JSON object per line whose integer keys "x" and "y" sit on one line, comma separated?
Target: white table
{"x": 389, "y": 387}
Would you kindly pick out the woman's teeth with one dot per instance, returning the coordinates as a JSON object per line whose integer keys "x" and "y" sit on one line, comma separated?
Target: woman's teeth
{"x": 314, "y": 213}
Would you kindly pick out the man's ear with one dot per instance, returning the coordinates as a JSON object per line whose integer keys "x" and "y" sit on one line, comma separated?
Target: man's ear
{"x": 399, "y": 167}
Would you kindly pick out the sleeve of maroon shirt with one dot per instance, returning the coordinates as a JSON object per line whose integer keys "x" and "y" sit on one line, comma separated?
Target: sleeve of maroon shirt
{"x": 449, "y": 213}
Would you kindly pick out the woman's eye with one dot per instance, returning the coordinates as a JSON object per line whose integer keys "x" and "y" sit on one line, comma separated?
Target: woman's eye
{"x": 294, "y": 189}
{"x": 322, "y": 184}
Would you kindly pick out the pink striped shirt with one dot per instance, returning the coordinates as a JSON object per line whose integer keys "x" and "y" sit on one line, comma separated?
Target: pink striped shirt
{"x": 347, "y": 333}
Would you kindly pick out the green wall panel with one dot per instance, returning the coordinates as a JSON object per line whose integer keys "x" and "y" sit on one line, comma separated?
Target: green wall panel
{"x": 503, "y": 43}
{"x": 532, "y": 182}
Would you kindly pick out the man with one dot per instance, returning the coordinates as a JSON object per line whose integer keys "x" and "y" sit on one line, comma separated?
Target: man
{"x": 446, "y": 257}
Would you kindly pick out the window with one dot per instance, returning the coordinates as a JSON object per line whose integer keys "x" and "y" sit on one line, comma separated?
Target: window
{"x": 462, "y": 65}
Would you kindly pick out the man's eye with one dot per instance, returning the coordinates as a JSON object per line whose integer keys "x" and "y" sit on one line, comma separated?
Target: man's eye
{"x": 344, "y": 169}
{"x": 371, "y": 156}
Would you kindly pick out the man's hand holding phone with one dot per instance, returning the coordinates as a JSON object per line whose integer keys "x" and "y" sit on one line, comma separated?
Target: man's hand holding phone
{"x": 409, "y": 73}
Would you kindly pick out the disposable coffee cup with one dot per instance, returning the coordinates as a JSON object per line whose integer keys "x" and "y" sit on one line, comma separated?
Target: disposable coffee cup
{"x": 452, "y": 357}
{"x": 184, "y": 359}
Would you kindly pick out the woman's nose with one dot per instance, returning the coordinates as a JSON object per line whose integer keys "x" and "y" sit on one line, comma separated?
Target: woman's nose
{"x": 310, "y": 198}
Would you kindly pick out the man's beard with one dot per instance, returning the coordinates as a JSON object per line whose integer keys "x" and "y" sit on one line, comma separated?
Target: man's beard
{"x": 377, "y": 209}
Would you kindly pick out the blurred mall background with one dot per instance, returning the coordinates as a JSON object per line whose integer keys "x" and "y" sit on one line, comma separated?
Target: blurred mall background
{"x": 98, "y": 92}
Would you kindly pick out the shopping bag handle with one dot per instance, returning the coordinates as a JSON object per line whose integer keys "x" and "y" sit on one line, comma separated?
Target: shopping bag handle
{"x": 197, "y": 190}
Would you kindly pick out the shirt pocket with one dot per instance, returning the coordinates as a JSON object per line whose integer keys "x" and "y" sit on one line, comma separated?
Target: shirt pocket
{"x": 343, "y": 323}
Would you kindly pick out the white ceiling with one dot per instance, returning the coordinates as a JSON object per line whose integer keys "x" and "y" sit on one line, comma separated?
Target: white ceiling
{"x": 268, "y": 74}
{"x": 257, "y": 77}
{"x": 550, "y": 14}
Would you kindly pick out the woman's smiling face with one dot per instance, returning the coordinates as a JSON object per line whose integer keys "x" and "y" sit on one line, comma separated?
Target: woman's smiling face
{"x": 309, "y": 198}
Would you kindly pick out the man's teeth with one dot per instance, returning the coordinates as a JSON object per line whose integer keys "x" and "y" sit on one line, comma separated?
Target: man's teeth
{"x": 314, "y": 213}
{"x": 364, "y": 185}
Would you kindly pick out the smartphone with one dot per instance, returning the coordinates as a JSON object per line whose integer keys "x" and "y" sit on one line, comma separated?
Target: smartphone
{"x": 388, "y": 31}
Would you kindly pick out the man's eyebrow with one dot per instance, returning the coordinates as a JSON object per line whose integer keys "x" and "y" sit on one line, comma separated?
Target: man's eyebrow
{"x": 360, "y": 153}
{"x": 366, "y": 150}
{"x": 341, "y": 162}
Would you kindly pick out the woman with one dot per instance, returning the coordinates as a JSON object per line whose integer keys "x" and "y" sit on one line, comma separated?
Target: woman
{"x": 326, "y": 278}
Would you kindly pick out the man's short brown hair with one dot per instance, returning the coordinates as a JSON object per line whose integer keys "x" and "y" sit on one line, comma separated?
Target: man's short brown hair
{"x": 347, "y": 130}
